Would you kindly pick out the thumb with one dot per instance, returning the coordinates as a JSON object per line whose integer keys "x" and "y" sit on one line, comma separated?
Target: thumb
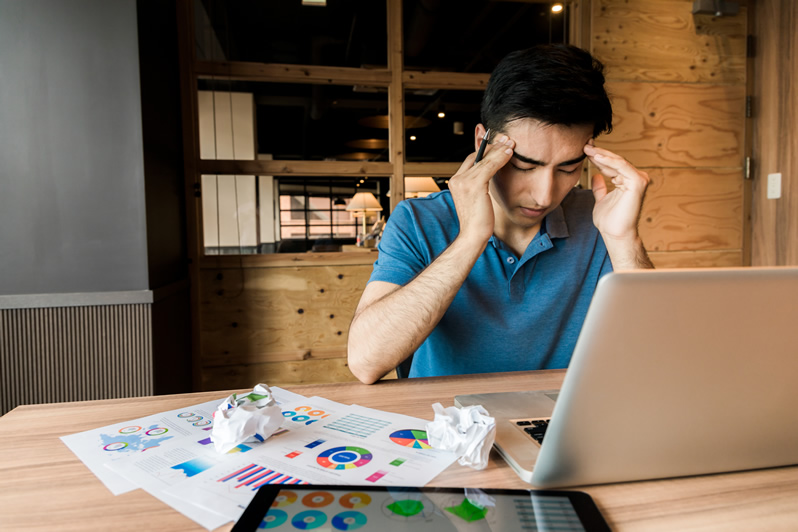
{"x": 599, "y": 187}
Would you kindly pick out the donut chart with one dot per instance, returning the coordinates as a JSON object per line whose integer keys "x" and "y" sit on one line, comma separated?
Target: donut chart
{"x": 348, "y": 520}
{"x": 348, "y": 457}
{"x": 273, "y": 519}
{"x": 318, "y": 499}
{"x": 417, "y": 439}
{"x": 309, "y": 519}
{"x": 354, "y": 500}
{"x": 284, "y": 498}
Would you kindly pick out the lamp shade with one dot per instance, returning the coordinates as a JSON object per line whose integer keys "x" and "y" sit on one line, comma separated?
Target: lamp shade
{"x": 421, "y": 184}
{"x": 364, "y": 202}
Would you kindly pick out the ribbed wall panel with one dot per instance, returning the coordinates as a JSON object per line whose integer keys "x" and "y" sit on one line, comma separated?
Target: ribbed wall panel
{"x": 51, "y": 355}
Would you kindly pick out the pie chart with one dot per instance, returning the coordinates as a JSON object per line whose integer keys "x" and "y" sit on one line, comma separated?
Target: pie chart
{"x": 309, "y": 519}
{"x": 348, "y": 520}
{"x": 355, "y": 499}
{"x": 273, "y": 519}
{"x": 285, "y": 498}
{"x": 417, "y": 439}
{"x": 348, "y": 457}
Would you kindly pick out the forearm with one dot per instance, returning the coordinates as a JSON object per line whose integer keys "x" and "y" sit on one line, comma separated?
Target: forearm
{"x": 386, "y": 331}
{"x": 627, "y": 254}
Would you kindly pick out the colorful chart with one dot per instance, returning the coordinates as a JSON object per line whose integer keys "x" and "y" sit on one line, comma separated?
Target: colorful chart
{"x": 131, "y": 438}
{"x": 318, "y": 499}
{"x": 408, "y": 510}
{"x": 254, "y": 476}
{"x": 468, "y": 511}
{"x": 195, "y": 466}
{"x": 309, "y": 519}
{"x": 348, "y": 457}
{"x": 284, "y": 498}
{"x": 273, "y": 519}
{"x": 354, "y": 500}
{"x": 349, "y": 520}
{"x": 417, "y": 439}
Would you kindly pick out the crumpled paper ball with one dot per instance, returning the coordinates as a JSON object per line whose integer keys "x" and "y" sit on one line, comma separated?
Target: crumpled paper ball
{"x": 468, "y": 432}
{"x": 245, "y": 418}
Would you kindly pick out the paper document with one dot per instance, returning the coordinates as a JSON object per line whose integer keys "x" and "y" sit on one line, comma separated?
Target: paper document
{"x": 354, "y": 445}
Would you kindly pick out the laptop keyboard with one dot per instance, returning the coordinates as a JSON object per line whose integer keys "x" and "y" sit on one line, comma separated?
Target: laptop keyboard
{"x": 535, "y": 428}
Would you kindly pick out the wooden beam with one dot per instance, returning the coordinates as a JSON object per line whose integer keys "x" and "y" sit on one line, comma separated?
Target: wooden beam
{"x": 188, "y": 102}
{"x": 424, "y": 79}
{"x": 281, "y": 73}
{"x": 282, "y": 260}
{"x": 431, "y": 169}
{"x": 300, "y": 168}
{"x": 396, "y": 101}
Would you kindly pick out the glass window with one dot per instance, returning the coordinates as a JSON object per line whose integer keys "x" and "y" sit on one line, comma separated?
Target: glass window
{"x": 345, "y": 33}
{"x": 449, "y": 119}
{"x": 292, "y": 121}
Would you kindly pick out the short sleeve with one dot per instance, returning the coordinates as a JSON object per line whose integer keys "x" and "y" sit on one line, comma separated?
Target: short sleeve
{"x": 401, "y": 255}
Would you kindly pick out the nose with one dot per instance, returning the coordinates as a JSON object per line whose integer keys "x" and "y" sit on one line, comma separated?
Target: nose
{"x": 543, "y": 186}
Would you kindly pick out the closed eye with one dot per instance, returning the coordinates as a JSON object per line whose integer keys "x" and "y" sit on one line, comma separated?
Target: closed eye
{"x": 523, "y": 169}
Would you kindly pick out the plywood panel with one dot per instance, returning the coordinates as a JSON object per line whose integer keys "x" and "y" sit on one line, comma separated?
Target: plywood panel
{"x": 693, "y": 209}
{"x": 677, "y": 125}
{"x": 661, "y": 40}
{"x": 252, "y": 315}
{"x": 236, "y": 376}
{"x": 697, "y": 259}
{"x": 775, "y": 221}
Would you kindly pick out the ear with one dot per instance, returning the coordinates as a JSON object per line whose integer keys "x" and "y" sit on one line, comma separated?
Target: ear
{"x": 479, "y": 132}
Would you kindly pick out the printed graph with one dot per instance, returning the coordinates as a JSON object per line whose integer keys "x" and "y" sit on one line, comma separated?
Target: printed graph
{"x": 357, "y": 425}
{"x": 415, "y": 439}
{"x": 253, "y": 476}
{"x": 195, "y": 466}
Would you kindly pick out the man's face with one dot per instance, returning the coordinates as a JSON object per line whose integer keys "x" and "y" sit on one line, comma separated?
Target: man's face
{"x": 546, "y": 165}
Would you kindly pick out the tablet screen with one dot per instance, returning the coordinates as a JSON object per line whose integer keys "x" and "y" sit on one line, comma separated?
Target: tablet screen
{"x": 390, "y": 509}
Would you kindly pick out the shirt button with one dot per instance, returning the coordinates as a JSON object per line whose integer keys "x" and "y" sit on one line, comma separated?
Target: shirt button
{"x": 510, "y": 260}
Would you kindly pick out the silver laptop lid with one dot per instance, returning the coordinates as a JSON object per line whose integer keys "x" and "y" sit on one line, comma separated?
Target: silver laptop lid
{"x": 679, "y": 372}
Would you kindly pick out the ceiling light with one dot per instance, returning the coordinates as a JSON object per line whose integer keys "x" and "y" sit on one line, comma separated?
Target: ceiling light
{"x": 441, "y": 114}
{"x": 412, "y": 137}
{"x": 556, "y": 8}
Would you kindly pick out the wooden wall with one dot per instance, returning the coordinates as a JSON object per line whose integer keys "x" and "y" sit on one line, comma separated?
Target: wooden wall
{"x": 775, "y": 221}
{"x": 267, "y": 320}
{"x": 678, "y": 86}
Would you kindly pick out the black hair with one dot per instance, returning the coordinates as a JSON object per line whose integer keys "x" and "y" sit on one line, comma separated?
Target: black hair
{"x": 552, "y": 83}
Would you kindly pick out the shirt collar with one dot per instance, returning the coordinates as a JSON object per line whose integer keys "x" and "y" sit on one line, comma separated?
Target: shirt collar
{"x": 553, "y": 225}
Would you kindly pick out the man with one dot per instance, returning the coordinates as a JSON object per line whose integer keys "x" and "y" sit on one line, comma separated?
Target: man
{"x": 496, "y": 273}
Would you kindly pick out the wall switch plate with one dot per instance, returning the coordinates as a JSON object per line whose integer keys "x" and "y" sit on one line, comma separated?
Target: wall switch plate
{"x": 774, "y": 186}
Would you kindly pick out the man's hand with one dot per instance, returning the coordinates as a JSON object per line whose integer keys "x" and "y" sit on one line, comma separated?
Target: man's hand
{"x": 616, "y": 213}
{"x": 469, "y": 189}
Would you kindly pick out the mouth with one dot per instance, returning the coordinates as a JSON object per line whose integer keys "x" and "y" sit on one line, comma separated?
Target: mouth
{"x": 532, "y": 213}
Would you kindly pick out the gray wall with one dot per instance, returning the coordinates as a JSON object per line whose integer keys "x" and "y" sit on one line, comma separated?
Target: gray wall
{"x": 72, "y": 204}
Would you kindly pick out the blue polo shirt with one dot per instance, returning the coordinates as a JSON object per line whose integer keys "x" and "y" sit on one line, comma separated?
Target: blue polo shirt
{"x": 512, "y": 313}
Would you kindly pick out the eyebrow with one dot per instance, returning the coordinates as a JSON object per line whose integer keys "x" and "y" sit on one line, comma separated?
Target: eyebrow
{"x": 540, "y": 163}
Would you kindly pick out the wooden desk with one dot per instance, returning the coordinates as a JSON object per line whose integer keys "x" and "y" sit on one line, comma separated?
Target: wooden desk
{"x": 43, "y": 486}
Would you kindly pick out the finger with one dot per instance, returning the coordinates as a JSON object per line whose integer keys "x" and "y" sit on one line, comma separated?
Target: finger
{"x": 606, "y": 159}
{"x": 468, "y": 163}
{"x": 599, "y": 187}
{"x": 498, "y": 153}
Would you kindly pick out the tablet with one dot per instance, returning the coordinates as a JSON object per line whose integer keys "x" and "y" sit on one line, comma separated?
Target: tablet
{"x": 392, "y": 509}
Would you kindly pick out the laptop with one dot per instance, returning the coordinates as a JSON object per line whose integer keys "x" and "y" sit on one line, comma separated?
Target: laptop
{"x": 675, "y": 373}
